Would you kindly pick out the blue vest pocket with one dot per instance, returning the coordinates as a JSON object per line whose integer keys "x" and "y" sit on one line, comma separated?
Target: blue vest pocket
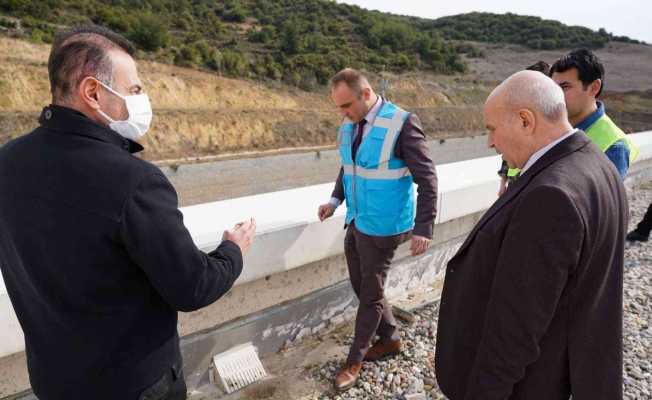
{"x": 385, "y": 197}
{"x": 371, "y": 148}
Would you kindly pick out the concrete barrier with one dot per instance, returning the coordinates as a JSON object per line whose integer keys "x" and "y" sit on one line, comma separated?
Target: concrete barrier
{"x": 294, "y": 281}
{"x": 221, "y": 179}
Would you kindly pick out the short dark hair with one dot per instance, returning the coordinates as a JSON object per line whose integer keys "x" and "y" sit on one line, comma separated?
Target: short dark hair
{"x": 588, "y": 65}
{"x": 540, "y": 66}
{"x": 80, "y": 52}
{"x": 351, "y": 77}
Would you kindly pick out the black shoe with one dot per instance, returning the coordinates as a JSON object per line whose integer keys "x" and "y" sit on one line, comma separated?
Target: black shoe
{"x": 636, "y": 236}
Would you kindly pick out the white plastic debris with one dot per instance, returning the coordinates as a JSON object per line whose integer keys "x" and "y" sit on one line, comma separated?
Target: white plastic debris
{"x": 238, "y": 367}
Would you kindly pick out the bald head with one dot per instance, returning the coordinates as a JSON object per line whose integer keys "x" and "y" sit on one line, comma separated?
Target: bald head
{"x": 523, "y": 114}
{"x": 533, "y": 91}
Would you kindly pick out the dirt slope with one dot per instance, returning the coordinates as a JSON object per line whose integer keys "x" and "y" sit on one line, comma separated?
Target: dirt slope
{"x": 199, "y": 113}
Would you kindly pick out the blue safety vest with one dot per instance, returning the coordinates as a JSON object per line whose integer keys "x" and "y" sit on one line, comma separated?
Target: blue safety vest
{"x": 378, "y": 188}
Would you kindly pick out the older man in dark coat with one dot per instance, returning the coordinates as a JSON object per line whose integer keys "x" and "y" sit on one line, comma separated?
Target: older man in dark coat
{"x": 532, "y": 301}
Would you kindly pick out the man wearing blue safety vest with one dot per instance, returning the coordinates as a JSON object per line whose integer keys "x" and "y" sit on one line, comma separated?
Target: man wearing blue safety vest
{"x": 580, "y": 74}
{"x": 384, "y": 152}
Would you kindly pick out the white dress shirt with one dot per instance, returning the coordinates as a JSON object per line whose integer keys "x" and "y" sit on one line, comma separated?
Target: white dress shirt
{"x": 370, "y": 118}
{"x": 539, "y": 153}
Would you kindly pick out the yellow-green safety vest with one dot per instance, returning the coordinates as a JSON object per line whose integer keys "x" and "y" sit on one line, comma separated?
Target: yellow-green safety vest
{"x": 604, "y": 133}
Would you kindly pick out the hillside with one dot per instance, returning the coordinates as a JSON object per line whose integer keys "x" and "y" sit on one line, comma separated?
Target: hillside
{"x": 532, "y": 32}
{"x": 299, "y": 42}
{"x": 199, "y": 113}
{"x": 248, "y": 76}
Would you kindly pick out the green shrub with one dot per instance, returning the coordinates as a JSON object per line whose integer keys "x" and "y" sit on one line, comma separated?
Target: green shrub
{"x": 7, "y": 23}
{"x": 149, "y": 32}
{"x": 234, "y": 63}
{"x": 235, "y": 14}
{"x": 188, "y": 56}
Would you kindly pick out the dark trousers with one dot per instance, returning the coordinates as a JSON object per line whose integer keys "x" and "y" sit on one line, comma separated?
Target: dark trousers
{"x": 171, "y": 386}
{"x": 645, "y": 226}
{"x": 369, "y": 259}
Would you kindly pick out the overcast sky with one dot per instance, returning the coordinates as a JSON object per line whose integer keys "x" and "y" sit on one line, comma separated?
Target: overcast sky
{"x": 631, "y": 18}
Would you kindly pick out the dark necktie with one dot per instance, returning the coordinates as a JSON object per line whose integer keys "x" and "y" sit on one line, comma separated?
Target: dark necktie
{"x": 358, "y": 138}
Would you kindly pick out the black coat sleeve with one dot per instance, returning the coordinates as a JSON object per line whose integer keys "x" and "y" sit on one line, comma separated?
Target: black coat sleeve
{"x": 542, "y": 246}
{"x": 158, "y": 242}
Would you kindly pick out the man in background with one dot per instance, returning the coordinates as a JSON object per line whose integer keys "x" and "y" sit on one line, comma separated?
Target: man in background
{"x": 580, "y": 74}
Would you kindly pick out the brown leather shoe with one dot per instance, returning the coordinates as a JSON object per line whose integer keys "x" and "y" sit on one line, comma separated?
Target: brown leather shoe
{"x": 382, "y": 349}
{"x": 347, "y": 377}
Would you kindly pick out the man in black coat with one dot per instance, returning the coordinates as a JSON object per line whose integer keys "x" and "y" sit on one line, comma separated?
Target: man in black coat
{"x": 93, "y": 250}
{"x": 532, "y": 301}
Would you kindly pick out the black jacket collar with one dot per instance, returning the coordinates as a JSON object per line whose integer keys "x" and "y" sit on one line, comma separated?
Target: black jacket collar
{"x": 69, "y": 121}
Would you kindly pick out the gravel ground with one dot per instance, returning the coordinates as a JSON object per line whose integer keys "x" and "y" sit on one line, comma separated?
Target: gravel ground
{"x": 638, "y": 305}
{"x": 411, "y": 376}
{"x": 410, "y": 373}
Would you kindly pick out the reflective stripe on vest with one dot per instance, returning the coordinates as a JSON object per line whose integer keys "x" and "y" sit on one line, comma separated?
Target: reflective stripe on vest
{"x": 604, "y": 133}
{"x": 377, "y": 173}
{"x": 378, "y": 187}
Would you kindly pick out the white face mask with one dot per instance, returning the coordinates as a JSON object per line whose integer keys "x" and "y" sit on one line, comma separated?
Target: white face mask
{"x": 140, "y": 115}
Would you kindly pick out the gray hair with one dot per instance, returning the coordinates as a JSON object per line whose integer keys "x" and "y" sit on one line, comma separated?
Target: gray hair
{"x": 535, "y": 91}
{"x": 81, "y": 52}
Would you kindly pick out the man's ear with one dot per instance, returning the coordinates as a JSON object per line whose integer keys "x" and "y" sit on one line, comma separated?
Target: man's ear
{"x": 366, "y": 93}
{"x": 89, "y": 92}
{"x": 527, "y": 120}
{"x": 594, "y": 87}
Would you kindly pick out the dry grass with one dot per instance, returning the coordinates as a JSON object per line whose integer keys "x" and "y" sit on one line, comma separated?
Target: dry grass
{"x": 200, "y": 113}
